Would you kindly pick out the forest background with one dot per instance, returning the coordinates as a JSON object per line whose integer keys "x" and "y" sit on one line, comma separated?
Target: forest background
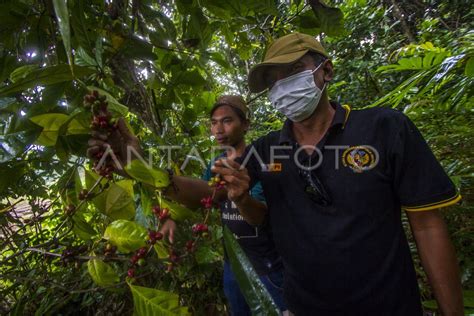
{"x": 160, "y": 65}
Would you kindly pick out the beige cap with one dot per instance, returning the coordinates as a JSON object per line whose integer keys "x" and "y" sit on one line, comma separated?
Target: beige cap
{"x": 284, "y": 50}
{"x": 235, "y": 101}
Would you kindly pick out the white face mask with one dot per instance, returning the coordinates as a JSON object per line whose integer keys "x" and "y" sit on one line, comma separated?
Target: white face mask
{"x": 296, "y": 96}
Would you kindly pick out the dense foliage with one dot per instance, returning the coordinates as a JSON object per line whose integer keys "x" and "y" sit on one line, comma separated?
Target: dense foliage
{"x": 69, "y": 235}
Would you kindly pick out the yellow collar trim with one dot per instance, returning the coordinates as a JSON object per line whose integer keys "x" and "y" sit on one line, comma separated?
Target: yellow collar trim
{"x": 348, "y": 111}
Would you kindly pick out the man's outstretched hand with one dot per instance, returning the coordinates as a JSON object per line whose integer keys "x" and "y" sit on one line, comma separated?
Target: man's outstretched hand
{"x": 237, "y": 180}
{"x": 120, "y": 140}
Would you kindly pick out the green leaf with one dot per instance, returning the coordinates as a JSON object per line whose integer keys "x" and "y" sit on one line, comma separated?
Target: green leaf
{"x": 50, "y": 123}
{"x": 7, "y": 65}
{"x": 220, "y": 8}
{"x": 142, "y": 172}
{"x": 168, "y": 24}
{"x": 205, "y": 254}
{"x": 128, "y": 236}
{"x": 77, "y": 127}
{"x": 119, "y": 202}
{"x": 72, "y": 185}
{"x": 469, "y": 70}
{"x": 255, "y": 293}
{"x": 103, "y": 274}
{"x": 82, "y": 23}
{"x": 49, "y": 99}
{"x": 330, "y": 19}
{"x": 21, "y": 72}
{"x": 259, "y": 7}
{"x": 9, "y": 105}
{"x": 82, "y": 228}
{"x": 468, "y": 297}
{"x": 220, "y": 60}
{"x": 45, "y": 76}
{"x": 308, "y": 23}
{"x": 191, "y": 78}
{"x": 197, "y": 30}
{"x": 9, "y": 175}
{"x": 62, "y": 14}
{"x": 432, "y": 305}
{"x": 205, "y": 101}
{"x": 99, "y": 199}
{"x": 151, "y": 302}
{"x": 143, "y": 214}
{"x": 137, "y": 48}
{"x": 161, "y": 250}
{"x": 177, "y": 211}
{"x": 16, "y": 135}
{"x": 82, "y": 58}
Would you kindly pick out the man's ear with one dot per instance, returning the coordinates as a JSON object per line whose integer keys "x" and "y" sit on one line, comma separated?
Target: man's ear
{"x": 246, "y": 126}
{"x": 328, "y": 68}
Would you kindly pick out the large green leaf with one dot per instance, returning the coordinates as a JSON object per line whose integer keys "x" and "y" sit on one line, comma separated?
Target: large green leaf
{"x": 50, "y": 97}
{"x": 138, "y": 48}
{"x": 220, "y": 8}
{"x": 99, "y": 196}
{"x": 230, "y": 9}
{"x": 255, "y": 293}
{"x": 331, "y": 19}
{"x": 128, "y": 236}
{"x": 10, "y": 174}
{"x": 82, "y": 22}
{"x": 62, "y": 14}
{"x": 468, "y": 298}
{"x": 45, "y": 76}
{"x": 70, "y": 185}
{"x": 142, "y": 172}
{"x": 177, "y": 211}
{"x": 143, "y": 214}
{"x": 192, "y": 78}
{"x": 21, "y": 72}
{"x": 431, "y": 305}
{"x": 15, "y": 143}
{"x": 82, "y": 228}
{"x": 82, "y": 58}
{"x": 103, "y": 274}
{"x": 414, "y": 63}
{"x": 161, "y": 250}
{"x": 119, "y": 202}
{"x": 469, "y": 70}
{"x": 7, "y": 65}
{"x": 50, "y": 123}
{"x": 77, "y": 126}
{"x": 308, "y": 23}
{"x": 152, "y": 302}
{"x": 9, "y": 105}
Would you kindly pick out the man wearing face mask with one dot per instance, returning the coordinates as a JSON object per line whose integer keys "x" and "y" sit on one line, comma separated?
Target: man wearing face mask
{"x": 335, "y": 182}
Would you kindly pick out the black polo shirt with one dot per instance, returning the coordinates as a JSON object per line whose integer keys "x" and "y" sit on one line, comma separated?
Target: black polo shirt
{"x": 351, "y": 257}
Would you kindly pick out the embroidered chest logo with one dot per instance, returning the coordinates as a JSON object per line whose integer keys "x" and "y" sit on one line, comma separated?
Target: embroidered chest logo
{"x": 360, "y": 158}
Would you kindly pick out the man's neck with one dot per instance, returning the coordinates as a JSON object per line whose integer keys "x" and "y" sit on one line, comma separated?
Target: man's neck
{"x": 238, "y": 150}
{"x": 312, "y": 130}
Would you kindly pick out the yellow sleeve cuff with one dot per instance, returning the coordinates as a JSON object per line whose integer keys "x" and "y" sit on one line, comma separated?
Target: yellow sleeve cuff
{"x": 428, "y": 207}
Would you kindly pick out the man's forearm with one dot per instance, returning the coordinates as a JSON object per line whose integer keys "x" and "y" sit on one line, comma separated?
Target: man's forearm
{"x": 439, "y": 261}
{"x": 190, "y": 191}
{"x": 252, "y": 210}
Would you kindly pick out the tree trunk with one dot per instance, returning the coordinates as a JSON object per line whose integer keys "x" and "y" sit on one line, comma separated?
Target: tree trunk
{"x": 397, "y": 12}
